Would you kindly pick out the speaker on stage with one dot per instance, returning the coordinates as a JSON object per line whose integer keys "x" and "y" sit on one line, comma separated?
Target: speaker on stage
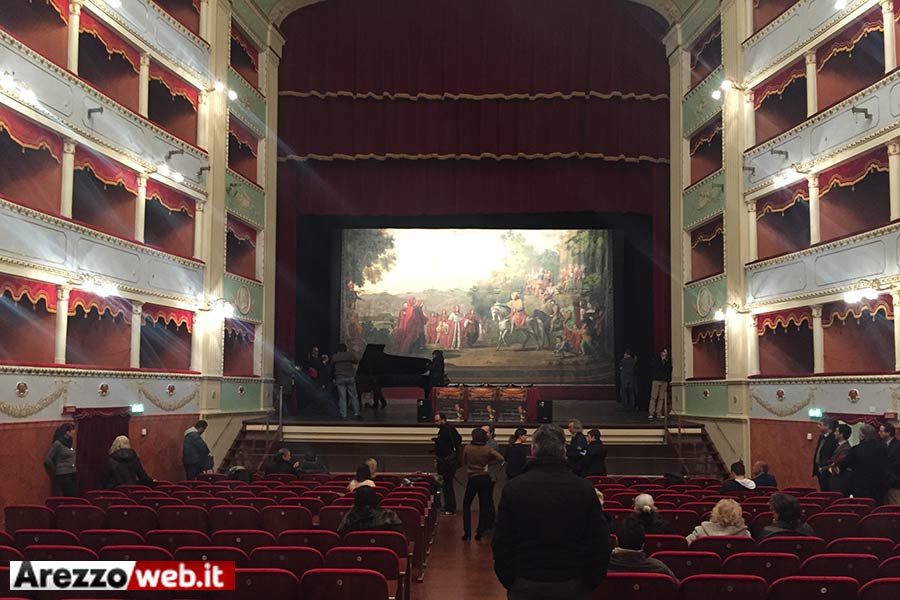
{"x": 545, "y": 411}
{"x": 423, "y": 411}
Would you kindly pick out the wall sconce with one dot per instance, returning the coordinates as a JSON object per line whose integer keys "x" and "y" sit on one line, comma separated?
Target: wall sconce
{"x": 172, "y": 153}
{"x": 783, "y": 153}
{"x": 861, "y": 111}
{"x": 727, "y": 84}
{"x": 94, "y": 285}
{"x": 97, "y": 110}
{"x": 222, "y": 308}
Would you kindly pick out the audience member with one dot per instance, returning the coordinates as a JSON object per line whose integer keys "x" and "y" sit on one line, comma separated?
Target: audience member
{"x": 738, "y": 481}
{"x": 867, "y": 462}
{"x": 366, "y": 515}
{"x": 311, "y": 463}
{"x": 123, "y": 465}
{"x": 551, "y": 539}
{"x": 60, "y": 461}
{"x": 373, "y": 467}
{"x": 892, "y": 478}
{"x": 239, "y": 471}
{"x": 629, "y": 555}
{"x": 594, "y": 462}
{"x": 195, "y": 455}
{"x": 516, "y": 453}
{"x": 494, "y": 472}
{"x": 446, "y": 456}
{"x": 661, "y": 370}
{"x": 761, "y": 475}
{"x": 282, "y": 463}
{"x": 726, "y": 519}
{"x": 362, "y": 478}
{"x": 343, "y": 364}
{"x": 477, "y": 457}
{"x": 838, "y": 477}
{"x": 577, "y": 446}
{"x": 824, "y": 449}
{"x": 626, "y": 380}
{"x": 436, "y": 376}
{"x": 787, "y": 518}
{"x": 645, "y": 511}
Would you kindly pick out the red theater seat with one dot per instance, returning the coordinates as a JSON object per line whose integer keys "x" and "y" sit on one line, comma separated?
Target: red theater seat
{"x": 889, "y": 567}
{"x": 278, "y": 495}
{"x": 98, "y": 538}
{"x": 211, "y": 477}
{"x": 799, "y": 492}
{"x": 313, "y": 505}
{"x": 233, "y": 517}
{"x": 245, "y": 539}
{"x": 880, "y": 547}
{"x": 683, "y": 521}
{"x": 58, "y": 553}
{"x": 283, "y": 477}
{"x": 77, "y": 518}
{"x": 804, "y": 547}
{"x": 733, "y": 587}
{"x": 381, "y": 560}
{"x": 183, "y": 517}
{"x": 801, "y": 587}
{"x": 207, "y": 502}
{"x": 276, "y": 519}
{"x": 887, "y": 588}
{"x": 325, "y": 497}
{"x": 879, "y": 525}
{"x": 344, "y": 584}
{"x": 685, "y": 564}
{"x": 172, "y": 539}
{"x": 104, "y": 502}
{"x": 771, "y": 566}
{"x": 27, "y": 516}
{"x": 861, "y": 567}
{"x": 134, "y": 518}
{"x": 296, "y": 559}
{"x": 8, "y": 553}
{"x": 158, "y": 502}
{"x": 833, "y": 525}
{"x": 323, "y": 541}
{"x": 664, "y": 543}
{"x": 330, "y": 517}
{"x": 636, "y": 585}
{"x": 724, "y": 545}
{"x": 47, "y": 537}
{"x": 54, "y": 502}
{"x": 204, "y": 553}
{"x": 143, "y": 552}
{"x": 887, "y": 508}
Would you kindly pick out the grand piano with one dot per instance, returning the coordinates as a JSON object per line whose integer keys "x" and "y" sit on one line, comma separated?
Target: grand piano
{"x": 378, "y": 370}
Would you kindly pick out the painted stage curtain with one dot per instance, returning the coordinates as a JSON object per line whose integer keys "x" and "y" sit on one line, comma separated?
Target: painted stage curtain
{"x": 473, "y": 107}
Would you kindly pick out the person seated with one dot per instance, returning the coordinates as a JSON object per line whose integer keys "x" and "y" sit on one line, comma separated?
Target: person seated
{"x": 310, "y": 463}
{"x": 363, "y": 477}
{"x": 761, "y": 475}
{"x": 123, "y": 465}
{"x": 366, "y": 515}
{"x": 282, "y": 463}
{"x": 629, "y": 555}
{"x": 739, "y": 481}
{"x": 787, "y": 518}
{"x": 594, "y": 461}
{"x": 645, "y": 512}
{"x": 373, "y": 468}
{"x": 727, "y": 519}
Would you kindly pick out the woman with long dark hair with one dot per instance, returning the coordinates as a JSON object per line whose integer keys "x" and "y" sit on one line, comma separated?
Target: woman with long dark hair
{"x": 60, "y": 461}
{"x": 477, "y": 457}
{"x": 516, "y": 453}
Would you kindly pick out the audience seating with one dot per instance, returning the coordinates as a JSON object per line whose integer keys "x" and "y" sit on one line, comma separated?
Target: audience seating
{"x": 685, "y": 564}
{"x": 76, "y": 517}
{"x": 724, "y": 545}
{"x": 733, "y": 587}
{"x": 683, "y": 521}
{"x": 880, "y": 525}
{"x": 797, "y": 587}
{"x": 172, "y": 539}
{"x": 95, "y": 539}
{"x": 48, "y": 537}
{"x": 861, "y": 567}
{"x": 887, "y": 588}
{"x": 331, "y": 517}
{"x": 280, "y": 518}
{"x": 8, "y": 553}
{"x": 890, "y": 567}
{"x": 27, "y": 516}
{"x": 771, "y": 566}
{"x": 804, "y": 547}
{"x": 833, "y": 525}
{"x": 296, "y": 559}
{"x": 381, "y": 560}
{"x": 233, "y": 517}
{"x": 888, "y": 508}
{"x": 128, "y": 552}
{"x": 323, "y": 541}
{"x": 391, "y": 540}
{"x": 660, "y": 543}
{"x": 245, "y": 539}
{"x": 134, "y": 518}
{"x": 57, "y": 553}
{"x": 227, "y": 553}
{"x": 880, "y": 547}
{"x": 356, "y": 584}
{"x": 644, "y": 585}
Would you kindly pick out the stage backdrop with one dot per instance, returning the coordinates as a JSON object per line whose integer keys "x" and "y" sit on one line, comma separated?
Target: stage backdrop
{"x": 502, "y": 305}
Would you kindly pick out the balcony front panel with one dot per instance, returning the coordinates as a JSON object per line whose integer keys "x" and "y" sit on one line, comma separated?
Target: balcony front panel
{"x": 250, "y": 106}
{"x": 703, "y": 13}
{"x": 246, "y": 296}
{"x": 791, "y": 399}
{"x": 699, "y": 106}
{"x": 848, "y": 124}
{"x": 704, "y": 200}
{"x": 74, "y": 105}
{"x": 242, "y": 394}
{"x": 827, "y": 268}
{"x": 251, "y": 21}
{"x": 244, "y": 199}
{"x": 703, "y": 298}
{"x": 33, "y": 239}
{"x": 705, "y": 399}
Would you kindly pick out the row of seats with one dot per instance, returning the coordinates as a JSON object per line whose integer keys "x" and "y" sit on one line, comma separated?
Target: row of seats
{"x": 744, "y": 587}
{"x": 801, "y": 546}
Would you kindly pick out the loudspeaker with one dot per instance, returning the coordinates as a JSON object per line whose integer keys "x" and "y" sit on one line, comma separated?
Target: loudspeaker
{"x": 545, "y": 411}
{"x": 423, "y": 411}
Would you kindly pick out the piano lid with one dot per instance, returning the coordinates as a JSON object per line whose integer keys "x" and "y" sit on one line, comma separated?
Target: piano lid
{"x": 375, "y": 361}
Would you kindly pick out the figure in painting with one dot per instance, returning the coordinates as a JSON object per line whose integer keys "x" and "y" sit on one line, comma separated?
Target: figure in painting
{"x": 431, "y": 330}
{"x": 411, "y": 327}
{"x": 517, "y": 306}
{"x": 470, "y": 329}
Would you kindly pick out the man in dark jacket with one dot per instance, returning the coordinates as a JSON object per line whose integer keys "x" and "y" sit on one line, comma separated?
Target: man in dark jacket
{"x": 661, "y": 375}
{"x": 629, "y": 555}
{"x": 824, "y": 449}
{"x": 551, "y": 539}
{"x": 282, "y": 463}
{"x": 839, "y": 478}
{"x": 194, "y": 452}
{"x": 761, "y": 475}
{"x": 577, "y": 446}
{"x": 888, "y": 435}
{"x": 447, "y": 459}
{"x": 867, "y": 461}
{"x": 594, "y": 462}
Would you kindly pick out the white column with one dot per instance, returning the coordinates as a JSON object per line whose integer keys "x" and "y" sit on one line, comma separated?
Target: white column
{"x": 688, "y": 252}
{"x": 749, "y": 119}
{"x": 814, "y": 231}
{"x": 895, "y": 297}
{"x": 202, "y": 118}
{"x": 137, "y": 314}
{"x": 68, "y": 178}
{"x": 260, "y": 254}
{"x": 894, "y": 175}
{"x": 752, "y": 346}
{"x": 144, "y": 86}
{"x": 812, "y": 94}
{"x": 818, "y": 340}
{"x": 688, "y": 353}
{"x": 74, "y": 24}
{"x": 890, "y": 50}
{"x": 140, "y": 209}
{"x": 62, "y": 324}
{"x": 204, "y": 18}
{"x": 199, "y": 211}
{"x": 257, "y": 349}
{"x": 752, "y": 244}
{"x": 196, "y": 343}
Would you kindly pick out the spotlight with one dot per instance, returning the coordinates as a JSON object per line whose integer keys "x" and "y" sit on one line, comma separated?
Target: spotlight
{"x": 716, "y": 94}
{"x": 163, "y": 169}
{"x": 719, "y": 315}
{"x": 726, "y": 84}
{"x": 177, "y": 177}
{"x": 232, "y": 95}
{"x": 218, "y": 86}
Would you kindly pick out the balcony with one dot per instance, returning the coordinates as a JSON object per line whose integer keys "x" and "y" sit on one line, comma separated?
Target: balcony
{"x": 789, "y": 398}
{"x": 699, "y": 106}
{"x": 245, "y": 199}
{"x": 702, "y": 299}
{"x": 704, "y": 200}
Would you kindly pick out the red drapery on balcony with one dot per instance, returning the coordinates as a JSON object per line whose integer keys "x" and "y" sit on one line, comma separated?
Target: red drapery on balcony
{"x": 171, "y": 199}
{"x": 847, "y": 38}
{"x": 710, "y": 331}
{"x": 706, "y": 233}
{"x": 114, "y": 305}
{"x": 705, "y": 40}
{"x": 243, "y": 135}
{"x": 784, "y": 318}
{"x": 33, "y": 290}
{"x": 778, "y": 83}
{"x": 243, "y": 330}
{"x": 706, "y": 136}
{"x": 851, "y": 172}
{"x": 28, "y": 134}
{"x": 179, "y": 317}
{"x": 241, "y": 230}
{"x": 112, "y": 41}
{"x": 840, "y": 311}
{"x": 781, "y": 200}
{"x": 176, "y": 85}
{"x": 61, "y": 7}
{"x": 106, "y": 169}
{"x": 244, "y": 42}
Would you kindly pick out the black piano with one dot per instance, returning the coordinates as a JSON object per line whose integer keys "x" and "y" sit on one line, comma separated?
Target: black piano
{"x": 378, "y": 370}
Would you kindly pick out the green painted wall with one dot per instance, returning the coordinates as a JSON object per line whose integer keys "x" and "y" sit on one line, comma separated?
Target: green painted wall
{"x": 234, "y": 401}
{"x": 251, "y": 22}
{"x": 250, "y": 106}
{"x": 702, "y": 299}
{"x": 244, "y": 200}
{"x": 704, "y": 200}
{"x": 699, "y": 106}
{"x": 246, "y": 296}
{"x": 695, "y": 23}
{"x": 706, "y": 399}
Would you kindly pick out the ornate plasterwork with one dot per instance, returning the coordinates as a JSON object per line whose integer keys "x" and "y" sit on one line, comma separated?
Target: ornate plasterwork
{"x": 23, "y": 411}
{"x": 63, "y": 371}
{"x": 163, "y": 403}
{"x": 780, "y": 409}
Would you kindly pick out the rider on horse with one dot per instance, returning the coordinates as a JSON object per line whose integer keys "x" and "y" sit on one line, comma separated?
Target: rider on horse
{"x": 517, "y": 306}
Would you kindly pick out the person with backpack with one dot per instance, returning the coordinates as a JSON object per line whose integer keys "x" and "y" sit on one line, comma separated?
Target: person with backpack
{"x": 446, "y": 455}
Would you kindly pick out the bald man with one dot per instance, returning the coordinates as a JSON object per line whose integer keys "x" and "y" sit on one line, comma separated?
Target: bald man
{"x": 761, "y": 475}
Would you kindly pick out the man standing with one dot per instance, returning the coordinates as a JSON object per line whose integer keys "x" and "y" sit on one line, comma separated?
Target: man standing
{"x": 839, "y": 478}
{"x": 551, "y": 539}
{"x": 577, "y": 446}
{"x": 892, "y": 475}
{"x": 446, "y": 455}
{"x": 824, "y": 449}
{"x": 344, "y": 365}
{"x": 659, "y": 390}
{"x": 626, "y": 380}
{"x": 195, "y": 454}
{"x": 493, "y": 471}
{"x": 594, "y": 462}
{"x": 867, "y": 462}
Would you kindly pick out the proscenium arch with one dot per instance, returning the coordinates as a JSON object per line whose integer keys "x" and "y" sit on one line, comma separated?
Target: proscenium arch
{"x": 665, "y": 8}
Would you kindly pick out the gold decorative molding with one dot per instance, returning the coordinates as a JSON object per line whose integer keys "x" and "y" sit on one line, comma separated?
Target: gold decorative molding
{"x": 164, "y": 404}
{"x": 23, "y": 411}
{"x": 786, "y": 410}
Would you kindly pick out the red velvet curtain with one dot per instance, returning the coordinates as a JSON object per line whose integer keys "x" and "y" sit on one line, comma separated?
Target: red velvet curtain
{"x": 27, "y": 320}
{"x": 96, "y": 428}
{"x": 859, "y": 338}
{"x": 472, "y": 107}
{"x": 854, "y": 196}
{"x": 39, "y": 24}
{"x": 708, "y": 343}
{"x": 238, "y": 348}
{"x": 785, "y": 342}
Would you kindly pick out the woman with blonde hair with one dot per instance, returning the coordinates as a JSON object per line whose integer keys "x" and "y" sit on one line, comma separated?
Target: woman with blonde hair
{"x": 727, "y": 519}
{"x": 645, "y": 511}
{"x": 123, "y": 465}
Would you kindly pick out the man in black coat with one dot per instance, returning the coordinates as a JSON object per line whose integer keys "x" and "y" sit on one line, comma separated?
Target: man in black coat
{"x": 824, "y": 449}
{"x": 282, "y": 463}
{"x": 551, "y": 539}
{"x": 447, "y": 448}
{"x": 888, "y": 435}
{"x": 594, "y": 462}
{"x": 867, "y": 462}
{"x": 577, "y": 446}
{"x": 195, "y": 454}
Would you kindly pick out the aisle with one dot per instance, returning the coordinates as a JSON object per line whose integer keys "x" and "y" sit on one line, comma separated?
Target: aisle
{"x": 458, "y": 569}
